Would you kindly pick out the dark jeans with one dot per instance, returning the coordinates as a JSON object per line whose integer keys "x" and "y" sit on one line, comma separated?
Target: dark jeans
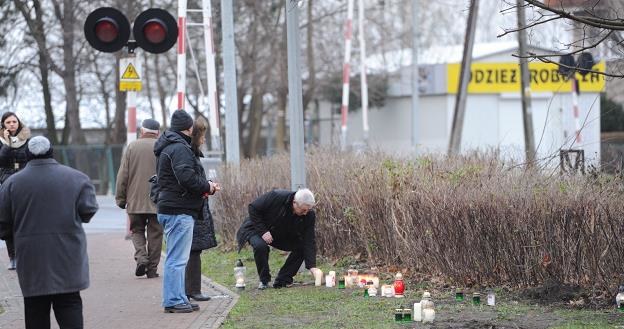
{"x": 146, "y": 251}
{"x": 192, "y": 279}
{"x": 261, "y": 256}
{"x": 67, "y": 310}
{"x": 10, "y": 247}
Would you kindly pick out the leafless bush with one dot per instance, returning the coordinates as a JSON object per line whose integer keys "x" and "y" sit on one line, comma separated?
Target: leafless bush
{"x": 473, "y": 219}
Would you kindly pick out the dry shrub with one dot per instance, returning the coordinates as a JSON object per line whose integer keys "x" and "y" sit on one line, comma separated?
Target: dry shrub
{"x": 473, "y": 219}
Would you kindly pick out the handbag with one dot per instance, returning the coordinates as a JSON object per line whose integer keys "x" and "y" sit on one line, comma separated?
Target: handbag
{"x": 154, "y": 186}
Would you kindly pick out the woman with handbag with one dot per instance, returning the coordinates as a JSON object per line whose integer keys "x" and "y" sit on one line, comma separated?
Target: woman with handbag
{"x": 203, "y": 230}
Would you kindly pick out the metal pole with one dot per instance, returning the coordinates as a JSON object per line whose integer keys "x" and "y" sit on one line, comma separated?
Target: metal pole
{"x": 229, "y": 71}
{"x": 295, "y": 101}
{"x": 464, "y": 77}
{"x": 181, "y": 53}
{"x": 525, "y": 90}
{"x": 346, "y": 71}
{"x": 211, "y": 73}
{"x": 415, "y": 74}
{"x": 364, "y": 83}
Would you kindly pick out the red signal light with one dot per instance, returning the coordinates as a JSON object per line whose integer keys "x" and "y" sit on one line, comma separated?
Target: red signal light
{"x": 155, "y": 31}
{"x": 106, "y": 30}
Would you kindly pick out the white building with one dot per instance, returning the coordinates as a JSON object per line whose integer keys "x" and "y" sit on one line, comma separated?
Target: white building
{"x": 493, "y": 118}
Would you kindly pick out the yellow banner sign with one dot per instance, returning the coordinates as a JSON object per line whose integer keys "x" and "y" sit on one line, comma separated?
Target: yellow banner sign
{"x": 490, "y": 78}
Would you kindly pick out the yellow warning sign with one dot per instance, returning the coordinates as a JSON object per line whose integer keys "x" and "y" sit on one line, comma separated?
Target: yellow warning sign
{"x": 130, "y": 73}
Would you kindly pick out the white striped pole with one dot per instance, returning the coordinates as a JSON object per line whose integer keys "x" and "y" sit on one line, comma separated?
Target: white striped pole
{"x": 364, "y": 84}
{"x": 213, "y": 97}
{"x": 575, "y": 107}
{"x": 181, "y": 53}
{"x": 346, "y": 68}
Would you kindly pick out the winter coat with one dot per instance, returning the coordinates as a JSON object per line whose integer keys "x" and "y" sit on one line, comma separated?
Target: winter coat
{"x": 43, "y": 207}
{"x": 273, "y": 212}
{"x": 180, "y": 176}
{"x": 203, "y": 231}
{"x": 13, "y": 155}
{"x": 138, "y": 164}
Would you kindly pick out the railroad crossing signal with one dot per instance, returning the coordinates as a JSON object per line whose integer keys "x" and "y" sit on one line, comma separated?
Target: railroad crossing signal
{"x": 108, "y": 30}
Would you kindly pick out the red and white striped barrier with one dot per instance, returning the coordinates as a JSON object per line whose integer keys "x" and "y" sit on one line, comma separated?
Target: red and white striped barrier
{"x": 181, "y": 53}
{"x": 346, "y": 70}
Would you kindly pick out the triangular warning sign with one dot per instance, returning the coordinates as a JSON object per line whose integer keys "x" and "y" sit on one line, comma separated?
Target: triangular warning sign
{"x": 130, "y": 73}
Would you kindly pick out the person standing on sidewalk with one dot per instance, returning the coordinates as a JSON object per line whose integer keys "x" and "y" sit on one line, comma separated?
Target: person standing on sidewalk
{"x": 203, "y": 229}
{"x": 13, "y": 138}
{"x": 182, "y": 186}
{"x": 43, "y": 208}
{"x": 138, "y": 164}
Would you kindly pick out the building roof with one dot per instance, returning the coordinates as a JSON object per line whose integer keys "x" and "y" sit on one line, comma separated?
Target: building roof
{"x": 392, "y": 61}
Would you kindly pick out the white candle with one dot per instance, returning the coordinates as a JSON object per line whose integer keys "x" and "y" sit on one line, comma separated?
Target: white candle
{"x": 417, "y": 312}
{"x": 318, "y": 276}
{"x": 328, "y": 281}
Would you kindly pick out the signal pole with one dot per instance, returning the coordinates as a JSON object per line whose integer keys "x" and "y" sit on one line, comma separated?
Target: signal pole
{"x": 295, "y": 101}
{"x": 229, "y": 71}
{"x": 525, "y": 89}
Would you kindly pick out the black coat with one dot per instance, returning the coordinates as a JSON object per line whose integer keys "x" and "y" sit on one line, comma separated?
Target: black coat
{"x": 13, "y": 158}
{"x": 203, "y": 231}
{"x": 273, "y": 212}
{"x": 43, "y": 207}
{"x": 180, "y": 176}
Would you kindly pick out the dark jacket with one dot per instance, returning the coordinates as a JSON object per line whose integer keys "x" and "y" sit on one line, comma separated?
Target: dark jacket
{"x": 203, "y": 231}
{"x": 203, "y": 228}
{"x": 180, "y": 176}
{"x": 13, "y": 156}
{"x": 43, "y": 207}
{"x": 273, "y": 212}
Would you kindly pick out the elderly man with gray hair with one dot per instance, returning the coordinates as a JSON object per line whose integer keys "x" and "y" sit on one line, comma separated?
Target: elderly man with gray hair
{"x": 43, "y": 207}
{"x": 284, "y": 220}
{"x": 138, "y": 164}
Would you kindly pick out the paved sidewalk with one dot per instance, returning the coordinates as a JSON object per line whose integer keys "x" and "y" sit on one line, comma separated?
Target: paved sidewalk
{"x": 116, "y": 298}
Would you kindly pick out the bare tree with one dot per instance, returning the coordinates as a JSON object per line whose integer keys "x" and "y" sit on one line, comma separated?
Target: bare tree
{"x": 33, "y": 15}
{"x": 596, "y": 24}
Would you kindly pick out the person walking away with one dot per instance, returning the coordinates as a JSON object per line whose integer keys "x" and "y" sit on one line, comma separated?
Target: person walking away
{"x": 182, "y": 188}
{"x": 203, "y": 229}
{"x": 138, "y": 164}
{"x": 282, "y": 219}
{"x": 13, "y": 138}
{"x": 43, "y": 207}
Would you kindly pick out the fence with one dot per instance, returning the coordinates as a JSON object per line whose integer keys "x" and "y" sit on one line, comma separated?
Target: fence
{"x": 99, "y": 162}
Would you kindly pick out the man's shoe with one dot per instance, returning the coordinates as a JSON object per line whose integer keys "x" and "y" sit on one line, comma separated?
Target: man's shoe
{"x": 199, "y": 297}
{"x": 180, "y": 308}
{"x": 262, "y": 286}
{"x": 140, "y": 270}
{"x": 279, "y": 284}
{"x": 152, "y": 274}
{"x": 194, "y": 307}
{"x": 11, "y": 264}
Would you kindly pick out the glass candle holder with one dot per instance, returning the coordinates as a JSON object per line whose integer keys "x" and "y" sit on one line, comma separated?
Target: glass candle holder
{"x": 476, "y": 298}
{"x": 398, "y": 314}
{"x": 341, "y": 283}
{"x": 459, "y": 295}
{"x": 407, "y": 315}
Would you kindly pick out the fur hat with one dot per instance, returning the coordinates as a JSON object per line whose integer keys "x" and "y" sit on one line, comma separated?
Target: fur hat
{"x": 180, "y": 120}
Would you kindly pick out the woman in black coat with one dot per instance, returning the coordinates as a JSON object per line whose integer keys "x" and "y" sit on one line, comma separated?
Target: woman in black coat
{"x": 14, "y": 137}
{"x": 203, "y": 229}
